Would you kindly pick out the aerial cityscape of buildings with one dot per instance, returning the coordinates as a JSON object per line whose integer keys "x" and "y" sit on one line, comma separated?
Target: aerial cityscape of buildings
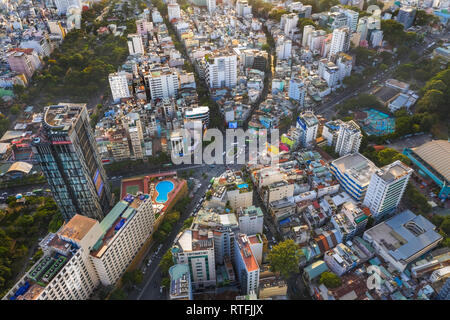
{"x": 349, "y": 192}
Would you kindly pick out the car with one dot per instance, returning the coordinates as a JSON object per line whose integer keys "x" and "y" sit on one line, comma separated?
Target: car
{"x": 29, "y": 194}
{"x": 113, "y": 178}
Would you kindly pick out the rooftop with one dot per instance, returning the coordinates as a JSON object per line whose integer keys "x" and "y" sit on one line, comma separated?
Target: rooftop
{"x": 436, "y": 153}
{"x": 309, "y": 118}
{"x": 393, "y": 171}
{"x": 246, "y": 253}
{"x": 77, "y": 227}
{"x": 180, "y": 278}
{"x": 356, "y": 166}
{"x": 404, "y": 235}
{"x": 62, "y": 116}
{"x": 122, "y": 212}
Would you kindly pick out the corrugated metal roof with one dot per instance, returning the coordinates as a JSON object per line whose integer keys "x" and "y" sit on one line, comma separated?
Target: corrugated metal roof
{"x": 113, "y": 215}
{"x": 316, "y": 269}
{"x": 436, "y": 153}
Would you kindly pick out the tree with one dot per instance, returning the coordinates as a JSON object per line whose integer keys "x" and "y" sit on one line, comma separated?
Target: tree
{"x": 302, "y": 22}
{"x": 330, "y": 280}
{"x": 422, "y": 18}
{"x": 15, "y": 110}
{"x": 118, "y": 294}
{"x": 435, "y": 85}
{"x": 132, "y": 277}
{"x": 392, "y": 31}
{"x": 187, "y": 223}
{"x": 389, "y": 155}
{"x": 415, "y": 200}
{"x": 166, "y": 262}
{"x": 276, "y": 14}
{"x": 325, "y": 5}
{"x": 353, "y": 81}
{"x": 445, "y": 225}
{"x": 433, "y": 101}
{"x": 165, "y": 282}
{"x": 284, "y": 258}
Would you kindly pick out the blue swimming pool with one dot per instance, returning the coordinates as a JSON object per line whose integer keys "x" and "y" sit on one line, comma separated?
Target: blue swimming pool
{"x": 163, "y": 188}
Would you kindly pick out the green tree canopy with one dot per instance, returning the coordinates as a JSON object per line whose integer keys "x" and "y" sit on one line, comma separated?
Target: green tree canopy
{"x": 284, "y": 258}
{"x": 166, "y": 262}
{"x": 330, "y": 280}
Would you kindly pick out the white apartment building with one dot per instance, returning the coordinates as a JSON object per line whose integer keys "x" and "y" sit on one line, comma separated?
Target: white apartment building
{"x": 162, "y": 82}
{"x": 307, "y": 30}
{"x": 246, "y": 265}
{"x": 284, "y": 48}
{"x": 386, "y": 188}
{"x": 363, "y": 27}
{"x": 277, "y": 191}
{"x": 222, "y": 70}
{"x": 308, "y": 124}
{"x": 198, "y": 113}
{"x": 290, "y": 23}
{"x": 135, "y": 45}
{"x": 133, "y": 125}
{"x": 353, "y": 171}
{"x": 268, "y": 176}
{"x": 329, "y": 72}
{"x": 143, "y": 27}
{"x": 376, "y": 38}
{"x": 63, "y": 5}
{"x": 348, "y": 139}
{"x": 118, "y": 83}
{"x": 256, "y": 245}
{"x": 340, "y": 41}
{"x": 330, "y": 131}
{"x": 316, "y": 40}
{"x": 85, "y": 253}
{"x": 352, "y": 19}
{"x": 240, "y": 198}
{"x": 344, "y": 63}
{"x": 177, "y": 143}
{"x": 125, "y": 229}
{"x": 196, "y": 249}
{"x": 180, "y": 284}
{"x": 211, "y": 5}
{"x": 297, "y": 90}
{"x": 65, "y": 272}
{"x": 173, "y": 11}
{"x": 156, "y": 16}
{"x": 242, "y": 8}
{"x": 251, "y": 220}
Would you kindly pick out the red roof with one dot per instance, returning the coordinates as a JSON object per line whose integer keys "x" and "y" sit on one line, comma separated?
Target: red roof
{"x": 27, "y": 50}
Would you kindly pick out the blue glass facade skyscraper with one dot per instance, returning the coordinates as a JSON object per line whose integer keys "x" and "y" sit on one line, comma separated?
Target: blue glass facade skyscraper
{"x": 67, "y": 153}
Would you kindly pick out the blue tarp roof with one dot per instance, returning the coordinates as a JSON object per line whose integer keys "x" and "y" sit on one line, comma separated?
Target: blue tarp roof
{"x": 284, "y": 221}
